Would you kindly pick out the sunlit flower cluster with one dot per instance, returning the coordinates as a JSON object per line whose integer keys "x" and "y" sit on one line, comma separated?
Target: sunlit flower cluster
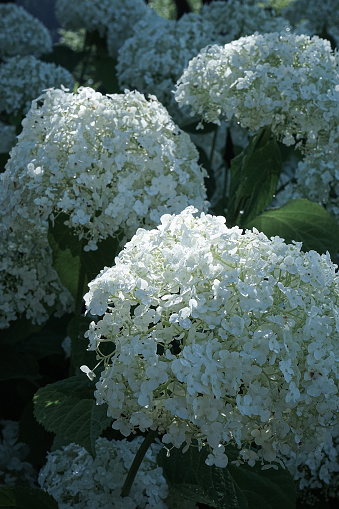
{"x": 288, "y": 83}
{"x": 317, "y": 471}
{"x": 112, "y": 163}
{"x": 23, "y": 79}
{"x": 29, "y": 285}
{"x": 218, "y": 335}
{"x": 315, "y": 17}
{"x": 105, "y": 16}
{"x": 78, "y": 481}
{"x": 14, "y": 470}
{"x": 238, "y": 18}
{"x": 21, "y": 33}
{"x": 154, "y": 58}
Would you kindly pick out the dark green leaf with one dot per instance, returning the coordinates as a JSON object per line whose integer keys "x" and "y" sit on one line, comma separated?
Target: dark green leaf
{"x": 26, "y": 498}
{"x": 105, "y": 73}
{"x": 254, "y": 178}
{"x": 232, "y": 487}
{"x": 47, "y": 341}
{"x": 68, "y": 409}
{"x": 303, "y": 221}
{"x": 65, "y": 56}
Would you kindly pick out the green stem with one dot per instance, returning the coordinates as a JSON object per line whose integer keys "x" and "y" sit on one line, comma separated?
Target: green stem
{"x": 137, "y": 462}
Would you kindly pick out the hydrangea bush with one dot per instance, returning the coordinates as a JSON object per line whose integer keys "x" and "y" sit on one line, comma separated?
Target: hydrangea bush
{"x": 23, "y": 79}
{"x": 21, "y": 33}
{"x": 288, "y": 83}
{"x": 218, "y": 335}
{"x": 111, "y": 163}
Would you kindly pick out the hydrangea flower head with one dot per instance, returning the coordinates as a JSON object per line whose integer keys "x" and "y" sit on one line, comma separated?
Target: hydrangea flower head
{"x": 111, "y": 163}
{"x": 76, "y": 480}
{"x": 238, "y": 18}
{"x": 153, "y": 59}
{"x": 287, "y": 82}
{"x": 116, "y": 18}
{"x": 21, "y": 33}
{"x": 29, "y": 285}
{"x": 14, "y": 470}
{"x": 220, "y": 335}
{"x": 23, "y": 79}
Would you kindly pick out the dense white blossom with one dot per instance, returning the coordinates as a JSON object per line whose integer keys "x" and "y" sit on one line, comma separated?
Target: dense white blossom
{"x": 288, "y": 83}
{"x": 321, "y": 18}
{"x": 14, "y": 470}
{"x": 23, "y": 79}
{"x": 238, "y": 18}
{"x": 219, "y": 335}
{"x": 115, "y": 18}
{"x": 317, "y": 471}
{"x": 29, "y": 286}
{"x": 7, "y": 137}
{"x": 112, "y": 163}
{"x": 78, "y": 481}
{"x": 21, "y": 33}
{"x": 153, "y": 59}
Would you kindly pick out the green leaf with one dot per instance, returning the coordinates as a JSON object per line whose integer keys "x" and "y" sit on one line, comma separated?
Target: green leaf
{"x": 106, "y": 74}
{"x": 104, "y": 256}
{"x": 68, "y": 409}
{"x": 303, "y": 221}
{"x": 26, "y": 498}
{"x": 232, "y": 487}
{"x": 47, "y": 341}
{"x": 254, "y": 178}
{"x": 19, "y": 330}
{"x": 65, "y": 56}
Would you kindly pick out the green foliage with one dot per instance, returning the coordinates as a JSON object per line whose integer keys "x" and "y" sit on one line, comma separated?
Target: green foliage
{"x": 303, "y": 221}
{"x": 254, "y": 177}
{"x": 79, "y": 354}
{"x": 233, "y": 487}
{"x": 68, "y": 409}
{"x": 25, "y": 498}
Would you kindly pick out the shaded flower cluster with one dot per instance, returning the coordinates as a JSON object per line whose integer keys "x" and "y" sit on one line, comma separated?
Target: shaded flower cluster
{"x": 14, "y": 470}
{"x": 78, "y": 481}
{"x": 218, "y": 335}
{"x": 288, "y": 83}
{"x": 29, "y": 285}
{"x": 23, "y": 79}
{"x": 111, "y": 163}
{"x": 238, "y": 18}
{"x": 21, "y": 33}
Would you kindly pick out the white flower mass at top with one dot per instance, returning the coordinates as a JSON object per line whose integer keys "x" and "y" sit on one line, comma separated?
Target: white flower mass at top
{"x": 220, "y": 335}
{"x": 111, "y": 163}
{"x": 287, "y": 82}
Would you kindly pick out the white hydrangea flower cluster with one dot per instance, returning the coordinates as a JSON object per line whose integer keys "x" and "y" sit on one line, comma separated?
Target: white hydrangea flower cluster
{"x": 29, "y": 286}
{"x": 219, "y": 335}
{"x": 23, "y": 79}
{"x": 289, "y": 83}
{"x": 7, "y": 137}
{"x": 238, "y": 18}
{"x": 116, "y": 18}
{"x": 317, "y": 471}
{"x": 78, "y": 481}
{"x": 111, "y": 163}
{"x": 315, "y": 17}
{"x": 21, "y": 33}
{"x": 14, "y": 470}
{"x": 153, "y": 59}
